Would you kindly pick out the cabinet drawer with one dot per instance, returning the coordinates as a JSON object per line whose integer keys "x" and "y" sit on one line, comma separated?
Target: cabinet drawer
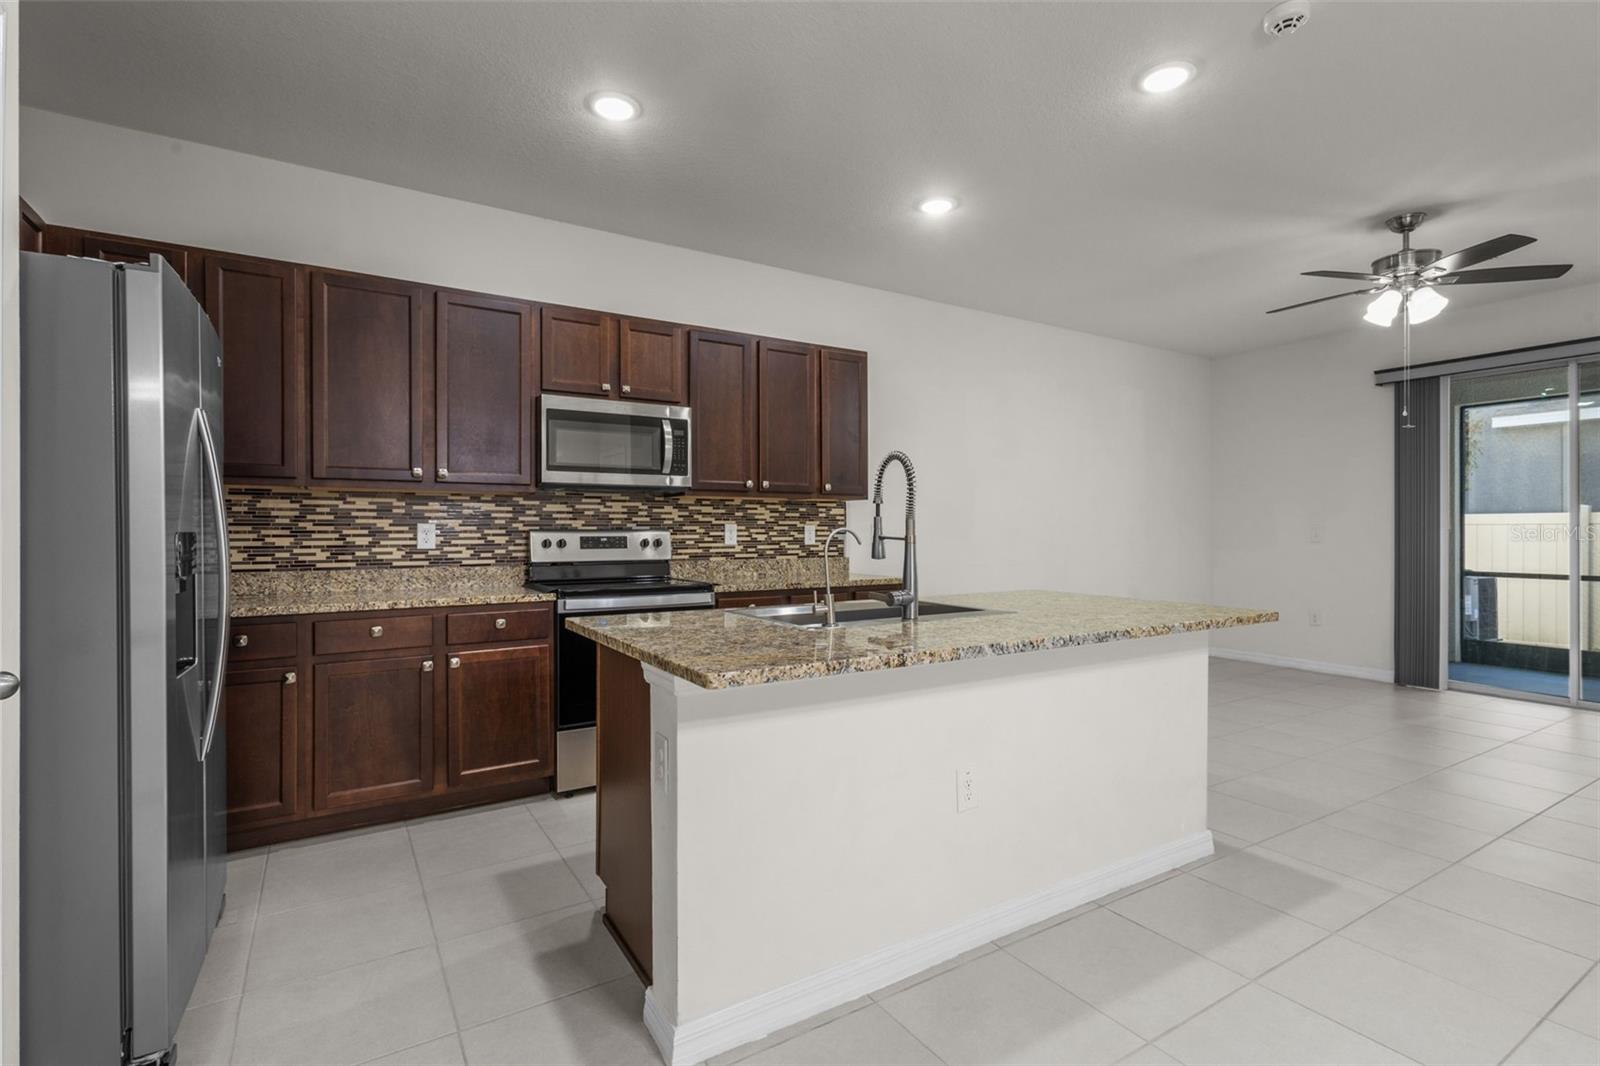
{"x": 371, "y": 634}
{"x": 482, "y": 627}
{"x": 261, "y": 640}
{"x": 751, "y": 599}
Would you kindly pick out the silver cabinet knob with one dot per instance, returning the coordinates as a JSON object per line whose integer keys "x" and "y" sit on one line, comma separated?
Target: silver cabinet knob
{"x": 427, "y": 666}
{"x": 749, "y": 484}
{"x": 827, "y": 486}
{"x": 242, "y": 640}
{"x": 442, "y": 473}
{"x": 627, "y": 388}
{"x": 376, "y": 631}
{"x": 416, "y": 473}
{"x": 455, "y": 662}
{"x": 605, "y": 386}
{"x": 499, "y": 623}
{"x": 766, "y": 484}
{"x": 9, "y": 683}
{"x": 289, "y": 678}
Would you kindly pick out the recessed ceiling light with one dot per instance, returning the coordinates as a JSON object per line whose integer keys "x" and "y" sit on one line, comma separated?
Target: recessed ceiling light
{"x": 937, "y": 205}
{"x": 614, "y": 107}
{"x": 1167, "y": 77}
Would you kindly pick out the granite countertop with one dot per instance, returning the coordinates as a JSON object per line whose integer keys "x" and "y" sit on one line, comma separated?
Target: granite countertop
{"x": 377, "y": 588}
{"x": 721, "y": 649}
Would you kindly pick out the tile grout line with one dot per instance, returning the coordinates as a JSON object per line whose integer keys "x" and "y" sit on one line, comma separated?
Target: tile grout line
{"x": 433, "y": 931}
{"x": 1546, "y": 1016}
{"x": 250, "y": 950}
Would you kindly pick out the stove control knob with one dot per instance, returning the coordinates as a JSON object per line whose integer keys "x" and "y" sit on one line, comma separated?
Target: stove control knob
{"x": 644, "y": 542}
{"x": 657, "y": 542}
{"x": 562, "y": 543}
{"x": 545, "y": 543}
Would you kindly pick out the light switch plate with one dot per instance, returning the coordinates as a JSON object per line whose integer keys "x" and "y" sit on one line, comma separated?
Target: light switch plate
{"x": 730, "y": 534}
{"x": 427, "y": 535}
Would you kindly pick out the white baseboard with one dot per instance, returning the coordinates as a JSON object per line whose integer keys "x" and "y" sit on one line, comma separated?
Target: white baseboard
{"x": 722, "y": 1030}
{"x": 1365, "y": 673}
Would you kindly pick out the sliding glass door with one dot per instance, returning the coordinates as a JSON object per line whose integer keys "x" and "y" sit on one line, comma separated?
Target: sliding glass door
{"x": 1525, "y": 479}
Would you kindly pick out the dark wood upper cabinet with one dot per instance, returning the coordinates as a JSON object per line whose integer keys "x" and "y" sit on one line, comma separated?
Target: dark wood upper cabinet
{"x": 371, "y": 389}
{"x": 261, "y": 710}
{"x": 486, "y": 359}
{"x": 31, "y": 237}
{"x": 501, "y": 726}
{"x": 844, "y": 422}
{"x": 258, "y": 309}
{"x": 722, "y": 395}
{"x": 372, "y": 731}
{"x": 652, "y": 361}
{"x": 578, "y": 351}
{"x": 185, "y": 261}
{"x": 788, "y": 416}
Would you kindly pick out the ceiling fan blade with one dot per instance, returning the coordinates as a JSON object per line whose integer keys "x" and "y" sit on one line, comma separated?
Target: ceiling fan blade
{"x": 1495, "y": 274}
{"x": 1479, "y": 253}
{"x": 1374, "y": 278}
{"x": 1322, "y": 299}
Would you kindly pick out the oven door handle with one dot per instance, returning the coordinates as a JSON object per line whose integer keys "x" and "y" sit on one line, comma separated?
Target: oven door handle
{"x": 666, "y": 445}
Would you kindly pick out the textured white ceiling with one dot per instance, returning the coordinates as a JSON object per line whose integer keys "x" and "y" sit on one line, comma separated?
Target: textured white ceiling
{"x": 800, "y": 135}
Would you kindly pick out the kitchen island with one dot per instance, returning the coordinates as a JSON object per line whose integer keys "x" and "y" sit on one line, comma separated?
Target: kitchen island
{"x": 791, "y": 818}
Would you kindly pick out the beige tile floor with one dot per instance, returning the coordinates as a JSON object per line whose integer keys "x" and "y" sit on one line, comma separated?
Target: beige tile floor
{"x": 1400, "y": 876}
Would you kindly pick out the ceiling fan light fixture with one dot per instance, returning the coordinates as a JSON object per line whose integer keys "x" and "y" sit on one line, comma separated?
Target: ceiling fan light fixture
{"x": 1426, "y": 303}
{"x": 1381, "y": 312}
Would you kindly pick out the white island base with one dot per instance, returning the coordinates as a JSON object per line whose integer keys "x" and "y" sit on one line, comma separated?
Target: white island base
{"x": 807, "y": 846}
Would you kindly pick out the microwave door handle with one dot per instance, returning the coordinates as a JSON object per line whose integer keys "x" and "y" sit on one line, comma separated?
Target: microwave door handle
{"x": 666, "y": 446}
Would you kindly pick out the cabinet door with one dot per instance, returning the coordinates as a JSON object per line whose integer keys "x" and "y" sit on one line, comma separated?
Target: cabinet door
{"x": 261, "y": 711}
{"x": 370, "y": 386}
{"x": 722, "y": 396}
{"x": 844, "y": 422}
{"x": 31, "y": 236}
{"x": 485, "y": 354}
{"x": 258, "y": 309}
{"x": 579, "y": 351}
{"x": 788, "y": 417}
{"x": 726, "y": 600}
{"x": 186, "y": 261}
{"x": 652, "y": 361}
{"x": 372, "y": 731}
{"x": 500, "y": 725}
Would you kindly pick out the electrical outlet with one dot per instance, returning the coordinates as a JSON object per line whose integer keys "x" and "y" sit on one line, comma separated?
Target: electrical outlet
{"x": 811, "y": 532}
{"x": 1316, "y": 618}
{"x": 427, "y": 534}
{"x": 730, "y": 534}
{"x": 966, "y": 791}
{"x": 1316, "y": 533}
{"x": 661, "y": 761}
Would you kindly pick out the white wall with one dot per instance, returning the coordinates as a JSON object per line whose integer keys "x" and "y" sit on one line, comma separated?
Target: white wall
{"x": 1303, "y": 442}
{"x": 1046, "y": 458}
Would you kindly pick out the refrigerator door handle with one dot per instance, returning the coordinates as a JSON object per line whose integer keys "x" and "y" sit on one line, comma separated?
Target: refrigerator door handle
{"x": 220, "y": 515}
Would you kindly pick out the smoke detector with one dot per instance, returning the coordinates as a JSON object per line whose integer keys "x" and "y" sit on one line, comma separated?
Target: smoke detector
{"x": 1286, "y": 17}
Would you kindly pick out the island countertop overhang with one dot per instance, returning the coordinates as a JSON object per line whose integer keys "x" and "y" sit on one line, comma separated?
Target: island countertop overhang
{"x": 722, "y": 649}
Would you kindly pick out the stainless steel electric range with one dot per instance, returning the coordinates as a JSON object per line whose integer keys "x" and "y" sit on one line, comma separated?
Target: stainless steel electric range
{"x": 613, "y": 571}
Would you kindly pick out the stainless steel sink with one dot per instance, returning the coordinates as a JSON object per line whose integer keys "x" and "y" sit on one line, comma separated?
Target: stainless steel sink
{"x": 855, "y": 613}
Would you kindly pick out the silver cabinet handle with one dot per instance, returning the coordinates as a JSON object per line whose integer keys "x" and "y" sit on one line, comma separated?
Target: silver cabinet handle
{"x": 427, "y": 666}
{"x": 376, "y": 631}
{"x": 627, "y": 388}
{"x": 499, "y": 623}
{"x": 455, "y": 662}
{"x": 9, "y": 683}
{"x": 749, "y": 484}
{"x": 827, "y": 486}
{"x": 416, "y": 473}
{"x": 242, "y": 640}
{"x": 289, "y": 678}
{"x": 766, "y": 484}
{"x": 442, "y": 473}
{"x": 605, "y": 386}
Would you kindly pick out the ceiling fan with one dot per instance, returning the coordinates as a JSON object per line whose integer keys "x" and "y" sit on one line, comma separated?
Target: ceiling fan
{"x": 1412, "y": 277}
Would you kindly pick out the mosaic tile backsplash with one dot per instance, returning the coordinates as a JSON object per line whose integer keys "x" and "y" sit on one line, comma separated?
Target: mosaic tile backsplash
{"x": 327, "y": 529}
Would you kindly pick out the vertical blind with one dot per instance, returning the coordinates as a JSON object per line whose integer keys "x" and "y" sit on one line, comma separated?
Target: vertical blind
{"x": 1417, "y": 536}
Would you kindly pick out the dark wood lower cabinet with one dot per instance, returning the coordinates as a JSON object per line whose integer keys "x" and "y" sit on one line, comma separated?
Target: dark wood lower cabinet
{"x": 342, "y": 720}
{"x": 263, "y": 718}
{"x": 622, "y": 802}
{"x": 500, "y": 715}
{"x": 372, "y": 730}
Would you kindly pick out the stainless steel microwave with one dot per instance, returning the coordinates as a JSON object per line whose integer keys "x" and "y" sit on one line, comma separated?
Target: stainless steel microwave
{"x": 586, "y": 443}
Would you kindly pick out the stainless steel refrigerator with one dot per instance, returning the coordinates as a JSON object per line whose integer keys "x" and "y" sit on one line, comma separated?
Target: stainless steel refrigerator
{"x": 124, "y": 641}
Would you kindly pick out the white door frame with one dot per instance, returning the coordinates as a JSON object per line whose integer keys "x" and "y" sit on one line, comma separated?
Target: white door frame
{"x": 10, "y": 538}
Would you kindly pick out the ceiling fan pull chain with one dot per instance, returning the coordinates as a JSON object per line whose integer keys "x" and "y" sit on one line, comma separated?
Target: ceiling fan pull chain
{"x": 1405, "y": 361}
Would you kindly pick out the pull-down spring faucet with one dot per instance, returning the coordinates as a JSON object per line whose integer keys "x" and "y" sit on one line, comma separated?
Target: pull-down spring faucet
{"x": 906, "y": 596}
